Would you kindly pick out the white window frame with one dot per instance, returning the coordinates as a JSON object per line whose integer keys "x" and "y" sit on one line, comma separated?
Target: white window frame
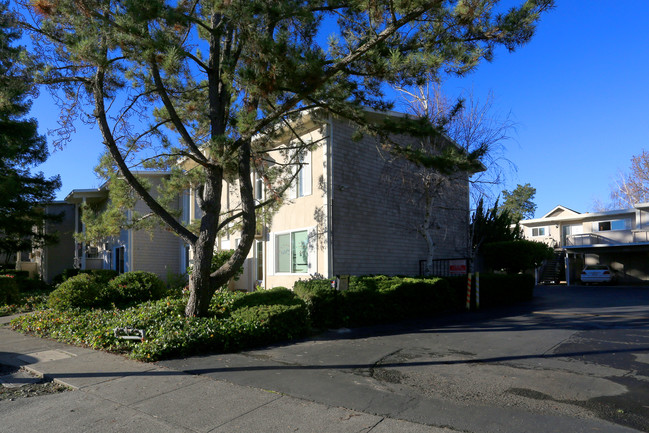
{"x": 612, "y": 224}
{"x": 538, "y": 233}
{"x": 303, "y": 183}
{"x": 272, "y": 258}
{"x": 196, "y": 212}
{"x": 185, "y": 206}
{"x": 258, "y": 187}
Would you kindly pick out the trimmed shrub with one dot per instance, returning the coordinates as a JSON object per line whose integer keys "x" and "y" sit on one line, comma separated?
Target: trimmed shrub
{"x": 9, "y": 292}
{"x": 276, "y": 314}
{"x": 515, "y": 256}
{"x": 67, "y": 273}
{"x": 20, "y": 275}
{"x": 134, "y": 287}
{"x": 373, "y": 299}
{"x": 103, "y": 276}
{"x": 81, "y": 291}
{"x": 323, "y": 302}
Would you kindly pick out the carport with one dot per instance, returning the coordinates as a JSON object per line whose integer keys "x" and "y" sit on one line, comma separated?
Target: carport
{"x": 629, "y": 262}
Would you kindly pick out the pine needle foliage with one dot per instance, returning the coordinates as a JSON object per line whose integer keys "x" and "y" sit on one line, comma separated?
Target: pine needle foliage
{"x": 218, "y": 82}
{"x": 22, "y": 194}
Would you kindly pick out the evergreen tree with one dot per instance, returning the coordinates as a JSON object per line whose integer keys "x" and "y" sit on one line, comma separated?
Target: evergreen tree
{"x": 490, "y": 225}
{"x": 519, "y": 202}
{"x": 22, "y": 194}
{"x": 222, "y": 80}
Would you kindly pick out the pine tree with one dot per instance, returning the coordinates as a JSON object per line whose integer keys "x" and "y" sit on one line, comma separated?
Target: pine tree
{"x": 519, "y": 202}
{"x": 22, "y": 194}
{"x": 220, "y": 80}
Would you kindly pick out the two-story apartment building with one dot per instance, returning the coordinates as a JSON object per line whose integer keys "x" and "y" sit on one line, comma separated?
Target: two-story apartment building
{"x": 341, "y": 216}
{"x": 617, "y": 238}
{"x": 155, "y": 250}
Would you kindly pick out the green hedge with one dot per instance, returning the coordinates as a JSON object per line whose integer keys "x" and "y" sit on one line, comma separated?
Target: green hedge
{"x": 515, "y": 256}
{"x": 379, "y": 299}
{"x": 374, "y": 299}
{"x": 21, "y": 275}
{"x": 9, "y": 292}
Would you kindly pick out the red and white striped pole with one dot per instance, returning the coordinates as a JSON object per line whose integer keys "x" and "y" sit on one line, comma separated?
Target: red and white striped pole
{"x": 468, "y": 291}
{"x": 477, "y": 290}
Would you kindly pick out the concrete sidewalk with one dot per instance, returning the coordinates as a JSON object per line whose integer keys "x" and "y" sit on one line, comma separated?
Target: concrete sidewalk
{"x": 114, "y": 394}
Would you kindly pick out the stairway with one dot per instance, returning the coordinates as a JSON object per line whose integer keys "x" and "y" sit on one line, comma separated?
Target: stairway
{"x": 553, "y": 269}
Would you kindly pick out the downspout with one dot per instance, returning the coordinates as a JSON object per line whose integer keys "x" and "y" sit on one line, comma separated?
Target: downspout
{"x": 83, "y": 244}
{"x": 76, "y": 230}
{"x": 329, "y": 199}
{"x": 129, "y": 249}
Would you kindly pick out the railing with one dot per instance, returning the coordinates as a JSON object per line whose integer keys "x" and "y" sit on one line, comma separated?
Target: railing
{"x": 94, "y": 263}
{"x": 615, "y": 237}
{"x": 585, "y": 239}
{"x": 445, "y": 267}
{"x": 640, "y": 236}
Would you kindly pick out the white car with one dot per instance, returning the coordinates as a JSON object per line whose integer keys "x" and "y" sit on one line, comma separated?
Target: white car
{"x": 596, "y": 274}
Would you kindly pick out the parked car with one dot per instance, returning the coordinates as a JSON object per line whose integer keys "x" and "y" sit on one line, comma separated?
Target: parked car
{"x": 596, "y": 274}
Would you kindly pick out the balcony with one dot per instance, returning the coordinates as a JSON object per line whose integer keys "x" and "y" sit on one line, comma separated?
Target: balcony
{"x": 614, "y": 237}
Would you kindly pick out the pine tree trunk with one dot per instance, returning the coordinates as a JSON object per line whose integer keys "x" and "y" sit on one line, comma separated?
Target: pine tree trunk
{"x": 202, "y": 283}
{"x": 201, "y": 286}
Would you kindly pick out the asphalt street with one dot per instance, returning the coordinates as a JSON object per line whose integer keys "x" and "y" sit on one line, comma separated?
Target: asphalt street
{"x": 574, "y": 359}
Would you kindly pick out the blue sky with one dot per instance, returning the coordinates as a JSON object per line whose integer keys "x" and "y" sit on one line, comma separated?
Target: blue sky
{"x": 578, "y": 93}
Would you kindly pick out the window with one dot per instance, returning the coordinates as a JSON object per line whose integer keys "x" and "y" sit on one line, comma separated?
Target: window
{"x": 186, "y": 255}
{"x": 198, "y": 212}
{"x": 538, "y": 231}
{"x": 259, "y": 187}
{"x": 302, "y": 186}
{"x": 119, "y": 259}
{"x": 603, "y": 226}
{"x": 185, "y": 207}
{"x": 259, "y": 256}
{"x": 292, "y": 252}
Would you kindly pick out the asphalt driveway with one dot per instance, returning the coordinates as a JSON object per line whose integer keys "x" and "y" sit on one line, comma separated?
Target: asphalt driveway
{"x": 574, "y": 359}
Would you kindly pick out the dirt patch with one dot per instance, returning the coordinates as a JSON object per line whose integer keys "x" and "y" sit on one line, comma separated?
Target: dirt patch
{"x": 38, "y": 387}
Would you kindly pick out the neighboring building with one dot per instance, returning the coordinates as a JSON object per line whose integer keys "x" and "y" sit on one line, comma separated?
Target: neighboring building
{"x": 53, "y": 259}
{"x": 50, "y": 260}
{"x": 158, "y": 250}
{"x": 618, "y": 238}
{"x": 340, "y": 218}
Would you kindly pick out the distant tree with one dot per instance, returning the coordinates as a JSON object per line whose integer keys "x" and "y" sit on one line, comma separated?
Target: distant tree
{"x": 220, "y": 82}
{"x": 519, "y": 202}
{"x": 22, "y": 193}
{"x": 632, "y": 187}
{"x": 489, "y": 225}
{"x": 498, "y": 240}
{"x": 468, "y": 142}
{"x": 472, "y": 124}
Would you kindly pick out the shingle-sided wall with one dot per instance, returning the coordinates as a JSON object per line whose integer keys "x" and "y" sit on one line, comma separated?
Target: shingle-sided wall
{"x": 157, "y": 251}
{"x": 374, "y": 233}
{"x": 60, "y": 255}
